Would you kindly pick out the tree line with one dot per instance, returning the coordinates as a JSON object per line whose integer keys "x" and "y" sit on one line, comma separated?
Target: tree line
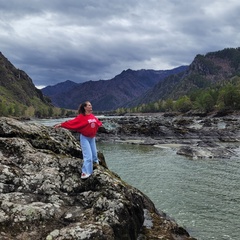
{"x": 41, "y": 111}
{"x": 214, "y": 98}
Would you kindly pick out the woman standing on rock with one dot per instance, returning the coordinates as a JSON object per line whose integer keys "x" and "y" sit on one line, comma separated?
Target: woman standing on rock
{"x": 87, "y": 125}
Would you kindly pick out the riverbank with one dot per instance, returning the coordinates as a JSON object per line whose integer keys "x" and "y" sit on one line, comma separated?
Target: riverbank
{"x": 195, "y": 135}
{"x": 211, "y": 136}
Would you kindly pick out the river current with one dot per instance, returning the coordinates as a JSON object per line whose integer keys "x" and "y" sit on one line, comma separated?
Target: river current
{"x": 202, "y": 195}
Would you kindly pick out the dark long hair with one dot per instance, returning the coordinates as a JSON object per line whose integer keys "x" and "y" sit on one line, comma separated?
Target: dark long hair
{"x": 81, "y": 108}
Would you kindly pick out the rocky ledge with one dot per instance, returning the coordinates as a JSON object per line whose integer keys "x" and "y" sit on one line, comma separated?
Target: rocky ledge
{"x": 43, "y": 197}
{"x": 193, "y": 136}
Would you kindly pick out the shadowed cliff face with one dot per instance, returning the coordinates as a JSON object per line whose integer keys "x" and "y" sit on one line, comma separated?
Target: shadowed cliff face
{"x": 43, "y": 197}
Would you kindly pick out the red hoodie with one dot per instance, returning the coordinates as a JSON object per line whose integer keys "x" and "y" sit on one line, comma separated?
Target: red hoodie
{"x": 87, "y": 125}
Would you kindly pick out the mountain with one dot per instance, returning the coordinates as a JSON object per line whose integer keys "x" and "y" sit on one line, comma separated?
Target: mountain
{"x": 106, "y": 95}
{"x": 19, "y": 96}
{"x": 17, "y": 91}
{"x": 59, "y": 88}
{"x": 213, "y": 69}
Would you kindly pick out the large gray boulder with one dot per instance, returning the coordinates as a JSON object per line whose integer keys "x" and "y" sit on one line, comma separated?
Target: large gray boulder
{"x": 43, "y": 197}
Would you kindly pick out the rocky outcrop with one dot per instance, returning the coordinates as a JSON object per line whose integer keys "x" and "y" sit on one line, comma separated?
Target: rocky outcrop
{"x": 43, "y": 197}
{"x": 196, "y": 137}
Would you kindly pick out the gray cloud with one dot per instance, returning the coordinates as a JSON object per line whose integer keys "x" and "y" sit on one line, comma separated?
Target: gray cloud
{"x": 57, "y": 40}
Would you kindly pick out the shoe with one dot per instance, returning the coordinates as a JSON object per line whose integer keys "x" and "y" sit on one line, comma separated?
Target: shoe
{"x": 95, "y": 165}
{"x": 85, "y": 175}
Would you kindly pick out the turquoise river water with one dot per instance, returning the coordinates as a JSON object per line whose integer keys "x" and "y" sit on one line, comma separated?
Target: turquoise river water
{"x": 201, "y": 195}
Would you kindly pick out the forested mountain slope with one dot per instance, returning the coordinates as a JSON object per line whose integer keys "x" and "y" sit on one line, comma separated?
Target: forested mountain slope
{"x": 215, "y": 69}
{"x": 18, "y": 95}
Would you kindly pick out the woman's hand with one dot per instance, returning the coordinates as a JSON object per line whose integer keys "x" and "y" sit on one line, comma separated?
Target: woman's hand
{"x": 58, "y": 125}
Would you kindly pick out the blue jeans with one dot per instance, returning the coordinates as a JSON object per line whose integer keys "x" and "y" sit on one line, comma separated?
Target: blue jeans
{"x": 89, "y": 151}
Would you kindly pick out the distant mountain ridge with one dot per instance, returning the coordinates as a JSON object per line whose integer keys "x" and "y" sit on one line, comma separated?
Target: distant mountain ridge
{"x": 107, "y": 95}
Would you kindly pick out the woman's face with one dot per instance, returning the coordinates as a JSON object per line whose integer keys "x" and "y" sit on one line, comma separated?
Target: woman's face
{"x": 88, "y": 107}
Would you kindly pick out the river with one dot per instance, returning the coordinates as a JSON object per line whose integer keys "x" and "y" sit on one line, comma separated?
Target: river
{"x": 202, "y": 195}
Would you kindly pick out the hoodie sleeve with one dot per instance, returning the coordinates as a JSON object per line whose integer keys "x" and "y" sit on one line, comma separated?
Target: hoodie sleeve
{"x": 99, "y": 123}
{"x": 74, "y": 124}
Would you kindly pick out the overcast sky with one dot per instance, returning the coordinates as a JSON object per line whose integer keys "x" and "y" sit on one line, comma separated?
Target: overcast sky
{"x": 81, "y": 40}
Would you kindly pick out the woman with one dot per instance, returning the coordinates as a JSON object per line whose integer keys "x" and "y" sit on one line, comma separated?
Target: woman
{"x": 87, "y": 125}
